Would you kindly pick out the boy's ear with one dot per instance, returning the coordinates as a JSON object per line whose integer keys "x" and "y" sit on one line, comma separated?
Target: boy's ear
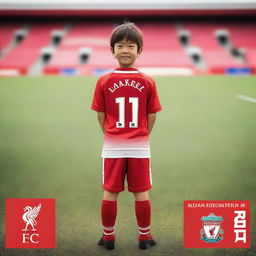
{"x": 140, "y": 51}
{"x": 112, "y": 50}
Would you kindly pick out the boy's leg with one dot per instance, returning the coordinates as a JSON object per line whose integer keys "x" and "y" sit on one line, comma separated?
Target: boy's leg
{"x": 139, "y": 182}
{"x": 110, "y": 196}
{"x": 113, "y": 173}
{"x": 143, "y": 214}
{"x": 141, "y": 196}
{"x": 108, "y": 214}
{"x": 108, "y": 217}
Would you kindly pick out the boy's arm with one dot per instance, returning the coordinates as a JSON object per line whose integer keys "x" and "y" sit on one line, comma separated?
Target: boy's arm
{"x": 101, "y": 118}
{"x": 151, "y": 121}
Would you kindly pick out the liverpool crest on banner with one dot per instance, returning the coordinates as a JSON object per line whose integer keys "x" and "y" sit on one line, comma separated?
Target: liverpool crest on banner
{"x": 211, "y": 231}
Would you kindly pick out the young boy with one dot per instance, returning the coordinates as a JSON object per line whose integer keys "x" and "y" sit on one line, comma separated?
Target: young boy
{"x": 126, "y": 102}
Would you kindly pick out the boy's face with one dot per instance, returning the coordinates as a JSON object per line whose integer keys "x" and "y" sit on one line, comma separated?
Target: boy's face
{"x": 126, "y": 53}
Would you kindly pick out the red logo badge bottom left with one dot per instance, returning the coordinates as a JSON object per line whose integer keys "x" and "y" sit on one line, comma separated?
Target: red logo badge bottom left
{"x": 30, "y": 223}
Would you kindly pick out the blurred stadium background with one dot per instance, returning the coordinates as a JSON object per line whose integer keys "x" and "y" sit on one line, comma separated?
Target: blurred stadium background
{"x": 181, "y": 37}
{"x": 202, "y": 55}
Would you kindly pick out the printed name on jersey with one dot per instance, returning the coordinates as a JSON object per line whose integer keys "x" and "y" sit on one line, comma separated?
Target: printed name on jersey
{"x": 126, "y": 82}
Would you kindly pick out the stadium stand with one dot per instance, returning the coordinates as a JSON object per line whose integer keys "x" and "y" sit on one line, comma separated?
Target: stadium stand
{"x": 83, "y": 47}
{"x": 22, "y": 57}
{"x": 161, "y": 46}
{"x": 7, "y": 32}
{"x": 242, "y": 34}
{"x": 181, "y": 37}
{"x": 161, "y": 49}
{"x": 92, "y": 38}
{"x": 217, "y": 58}
{"x": 243, "y": 40}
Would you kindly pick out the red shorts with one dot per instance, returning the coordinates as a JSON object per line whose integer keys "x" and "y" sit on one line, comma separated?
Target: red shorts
{"x": 137, "y": 170}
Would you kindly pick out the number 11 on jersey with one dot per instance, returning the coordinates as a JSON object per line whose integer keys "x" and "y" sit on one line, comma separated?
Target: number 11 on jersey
{"x": 135, "y": 107}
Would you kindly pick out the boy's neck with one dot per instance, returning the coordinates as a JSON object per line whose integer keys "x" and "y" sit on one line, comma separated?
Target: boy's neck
{"x": 128, "y": 67}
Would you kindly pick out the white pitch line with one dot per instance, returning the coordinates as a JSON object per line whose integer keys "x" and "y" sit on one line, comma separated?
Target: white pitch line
{"x": 246, "y": 98}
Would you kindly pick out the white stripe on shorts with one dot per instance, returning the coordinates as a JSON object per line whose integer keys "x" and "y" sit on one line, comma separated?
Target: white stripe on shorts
{"x": 150, "y": 175}
{"x": 103, "y": 160}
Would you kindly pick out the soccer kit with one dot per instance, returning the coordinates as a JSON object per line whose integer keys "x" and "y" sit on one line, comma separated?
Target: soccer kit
{"x": 126, "y": 96}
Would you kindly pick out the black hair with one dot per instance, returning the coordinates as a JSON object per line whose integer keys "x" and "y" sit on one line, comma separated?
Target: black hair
{"x": 129, "y": 32}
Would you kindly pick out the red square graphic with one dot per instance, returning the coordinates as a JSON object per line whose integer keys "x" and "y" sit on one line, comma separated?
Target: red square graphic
{"x": 30, "y": 223}
{"x": 217, "y": 224}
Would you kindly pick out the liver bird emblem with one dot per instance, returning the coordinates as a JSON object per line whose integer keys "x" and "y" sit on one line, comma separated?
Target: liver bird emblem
{"x": 30, "y": 215}
{"x": 211, "y": 231}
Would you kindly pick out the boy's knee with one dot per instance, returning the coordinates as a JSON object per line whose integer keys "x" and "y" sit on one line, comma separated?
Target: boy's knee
{"x": 141, "y": 196}
{"x": 110, "y": 196}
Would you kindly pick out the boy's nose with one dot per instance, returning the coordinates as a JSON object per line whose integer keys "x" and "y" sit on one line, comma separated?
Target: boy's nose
{"x": 125, "y": 49}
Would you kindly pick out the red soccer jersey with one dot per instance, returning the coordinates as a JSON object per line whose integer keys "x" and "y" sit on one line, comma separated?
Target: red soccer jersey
{"x": 126, "y": 96}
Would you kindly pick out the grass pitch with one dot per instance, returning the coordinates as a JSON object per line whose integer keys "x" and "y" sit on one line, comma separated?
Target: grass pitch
{"x": 203, "y": 148}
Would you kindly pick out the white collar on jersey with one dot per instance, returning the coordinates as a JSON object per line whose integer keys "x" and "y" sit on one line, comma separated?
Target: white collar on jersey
{"x": 126, "y": 71}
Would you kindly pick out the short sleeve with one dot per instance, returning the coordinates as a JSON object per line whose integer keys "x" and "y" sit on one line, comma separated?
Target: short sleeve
{"x": 98, "y": 103}
{"x": 153, "y": 105}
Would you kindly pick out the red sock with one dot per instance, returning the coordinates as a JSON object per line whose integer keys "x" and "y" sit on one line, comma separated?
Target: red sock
{"x": 108, "y": 217}
{"x": 143, "y": 213}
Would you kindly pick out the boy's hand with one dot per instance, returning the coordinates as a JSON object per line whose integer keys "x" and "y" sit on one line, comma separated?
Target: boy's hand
{"x": 101, "y": 118}
{"x": 151, "y": 121}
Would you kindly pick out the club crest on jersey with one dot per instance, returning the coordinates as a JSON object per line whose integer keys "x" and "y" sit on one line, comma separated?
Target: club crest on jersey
{"x": 211, "y": 231}
{"x": 126, "y": 82}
